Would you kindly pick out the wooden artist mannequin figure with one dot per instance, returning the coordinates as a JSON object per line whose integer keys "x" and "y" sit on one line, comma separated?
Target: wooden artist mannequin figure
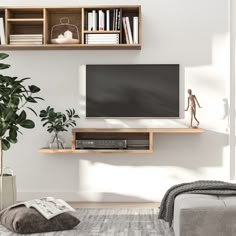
{"x": 192, "y": 100}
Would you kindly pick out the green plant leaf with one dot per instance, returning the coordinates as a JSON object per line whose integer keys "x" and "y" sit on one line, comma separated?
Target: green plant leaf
{"x": 3, "y": 56}
{"x": 12, "y": 134}
{"x": 32, "y": 110}
{"x": 5, "y": 145}
{"x": 28, "y": 124}
{"x": 34, "y": 89}
{"x": 32, "y": 100}
{"x": 14, "y": 141}
{"x": 8, "y": 114}
{"x": 39, "y": 98}
{"x": 4, "y": 66}
{"x": 21, "y": 117}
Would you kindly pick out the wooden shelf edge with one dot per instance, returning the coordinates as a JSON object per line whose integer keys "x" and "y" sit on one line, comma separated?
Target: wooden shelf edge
{"x": 112, "y": 130}
{"x": 70, "y": 7}
{"x": 137, "y": 130}
{"x": 179, "y": 130}
{"x": 72, "y": 47}
{"x": 89, "y": 151}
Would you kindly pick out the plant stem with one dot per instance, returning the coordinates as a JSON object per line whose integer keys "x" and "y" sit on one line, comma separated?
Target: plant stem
{"x": 24, "y": 103}
{"x": 58, "y": 146}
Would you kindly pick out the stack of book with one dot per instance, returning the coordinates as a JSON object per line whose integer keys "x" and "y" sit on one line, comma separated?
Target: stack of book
{"x": 26, "y": 39}
{"x": 98, "y": 20}
{"x": 131, "y": 36}
{"x": 102, "y": 39}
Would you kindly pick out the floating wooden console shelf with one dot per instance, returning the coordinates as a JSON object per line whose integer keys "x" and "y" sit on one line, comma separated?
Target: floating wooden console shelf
{"x": 40, "y": 20}
{"x": 126, "y": 133}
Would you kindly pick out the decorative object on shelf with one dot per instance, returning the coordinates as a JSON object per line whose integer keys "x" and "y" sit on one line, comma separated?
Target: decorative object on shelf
{"x": 57, "y": 122}
{"x": 14, "y": 100}
{"x": 65, "y": 33}
{"x": 192, "y": 100}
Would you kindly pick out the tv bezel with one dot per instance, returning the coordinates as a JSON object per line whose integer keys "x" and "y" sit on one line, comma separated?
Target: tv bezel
{"x": 131, "y": 117}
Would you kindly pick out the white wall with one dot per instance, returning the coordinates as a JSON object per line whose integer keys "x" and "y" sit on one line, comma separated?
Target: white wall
{"x": 194, "y": 34}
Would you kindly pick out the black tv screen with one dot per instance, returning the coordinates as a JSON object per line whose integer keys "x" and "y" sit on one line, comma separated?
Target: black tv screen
{"x": 132, "y": 91}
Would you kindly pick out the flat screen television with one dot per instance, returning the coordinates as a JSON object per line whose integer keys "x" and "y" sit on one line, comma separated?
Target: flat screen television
{"x": 138, "y": 90}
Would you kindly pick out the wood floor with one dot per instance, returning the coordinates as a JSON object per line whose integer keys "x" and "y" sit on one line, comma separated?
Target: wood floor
{"x": 113, "y": 205}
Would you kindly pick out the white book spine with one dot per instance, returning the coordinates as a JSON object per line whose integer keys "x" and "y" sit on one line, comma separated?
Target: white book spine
{"x": 135, "y": 29}
{"x": 90, "y": 21}
{"x": 2, "y": 32}
{"x": 125, "y": 30}
{"x": 108, "y": 20}
{"x": 101, "y": 18}
{"x": 129, "y": 30}
{"x": 94, "y": 20}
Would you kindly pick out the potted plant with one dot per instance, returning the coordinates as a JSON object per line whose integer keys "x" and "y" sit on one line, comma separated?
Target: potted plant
{"x": 57, "y": 122}
{"x": 15, "y": 100}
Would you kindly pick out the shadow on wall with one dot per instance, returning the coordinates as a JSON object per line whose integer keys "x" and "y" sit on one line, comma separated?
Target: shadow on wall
{"x": 183, "y": 150}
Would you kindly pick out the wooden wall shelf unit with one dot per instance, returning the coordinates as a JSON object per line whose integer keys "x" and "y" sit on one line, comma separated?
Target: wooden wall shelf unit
{"x": 40, "y": 20}
{"x": 131, "y": 134}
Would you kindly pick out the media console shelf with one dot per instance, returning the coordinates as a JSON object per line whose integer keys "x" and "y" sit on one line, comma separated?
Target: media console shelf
{"x": 39, "y": 21}
{"x": 138, "y": 140}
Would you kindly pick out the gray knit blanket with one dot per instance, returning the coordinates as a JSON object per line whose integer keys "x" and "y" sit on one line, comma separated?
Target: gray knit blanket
{"x": 198, "y": 187}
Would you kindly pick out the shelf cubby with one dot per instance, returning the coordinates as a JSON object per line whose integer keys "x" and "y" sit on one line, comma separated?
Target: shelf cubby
{"x": 131, "y": 12}
{"x": 25, "y": 13}
{"x": 53, "y": 17}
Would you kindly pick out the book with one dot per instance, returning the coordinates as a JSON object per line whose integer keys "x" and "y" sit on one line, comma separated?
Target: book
{"x": 101, "y": 20}
{"x": 114, "y": 19}
{"x": 129, "y": 30}
{"x": 118, "y": 20}
{"x": 102, "y": 35}
{"x": 125, "y": 29}
{"x": 135, "y": 29}
{"x": 25, "y": 43}
{"x": 102, "y": 39}
{"x": 48, "y": 207}
{"x": 94, "y": 20}
{"x": 90, "y": 21}
{"x": 106, "y": 42}
{"x": 107, "y": 20}
{"x": 26, "y": 35}
{"x": 86, "y": 21}
{"x": 26, "y": 39}
{"x": 2, "y": 32}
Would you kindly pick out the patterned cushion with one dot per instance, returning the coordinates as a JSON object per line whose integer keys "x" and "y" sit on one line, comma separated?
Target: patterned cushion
{"x": 25, "y": 220}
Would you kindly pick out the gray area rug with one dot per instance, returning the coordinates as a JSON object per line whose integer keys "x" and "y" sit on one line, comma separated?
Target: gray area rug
{"x": 112, "y": 222}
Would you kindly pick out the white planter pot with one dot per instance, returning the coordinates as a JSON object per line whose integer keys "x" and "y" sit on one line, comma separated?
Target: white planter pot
{"x": 9, "y": 190}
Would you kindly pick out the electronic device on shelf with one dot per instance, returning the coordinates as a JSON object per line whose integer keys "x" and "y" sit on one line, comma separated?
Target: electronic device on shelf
{"x": 101, "y": 144}
{"x": 138, "y": 144}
